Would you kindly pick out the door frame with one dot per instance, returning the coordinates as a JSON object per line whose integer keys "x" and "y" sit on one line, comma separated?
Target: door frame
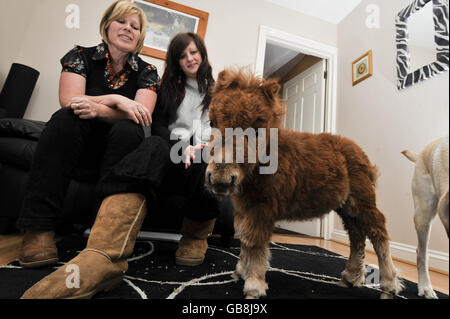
{"x": 310, "y": 47}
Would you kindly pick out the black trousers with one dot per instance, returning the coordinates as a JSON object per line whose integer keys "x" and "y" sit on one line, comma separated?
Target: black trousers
{"x": 70, "y": 147}
{"x": 150, "y": 171}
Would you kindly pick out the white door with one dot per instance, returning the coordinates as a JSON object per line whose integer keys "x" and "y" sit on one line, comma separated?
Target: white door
{"x": 304, "y": 96}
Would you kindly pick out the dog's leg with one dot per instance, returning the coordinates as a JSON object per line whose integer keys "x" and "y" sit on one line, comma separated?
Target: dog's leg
{"x": 425, "y": 212}
{"x": 443, "y": 210}
{"x": 377, "y": 233}
{"x": 354, "y": 273}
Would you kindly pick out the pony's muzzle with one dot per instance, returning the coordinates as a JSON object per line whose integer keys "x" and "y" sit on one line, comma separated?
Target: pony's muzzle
{"x": 220, "y": 184}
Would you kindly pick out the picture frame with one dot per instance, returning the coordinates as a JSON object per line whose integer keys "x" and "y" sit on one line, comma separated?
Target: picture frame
{"x": 406, "y": 76}
{"x": 362, "y": 68}
{"x": 165, "y": 20}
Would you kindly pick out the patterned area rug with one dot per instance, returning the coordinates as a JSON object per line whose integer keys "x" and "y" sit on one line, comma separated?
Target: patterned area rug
{"x": 296, "y": 272}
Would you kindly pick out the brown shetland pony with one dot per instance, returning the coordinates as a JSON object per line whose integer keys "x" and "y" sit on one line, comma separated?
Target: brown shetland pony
{"x": 316, "y": 173}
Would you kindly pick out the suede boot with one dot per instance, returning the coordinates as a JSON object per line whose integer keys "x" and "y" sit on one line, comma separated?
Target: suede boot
{"x": 102, "y": 265}
{"x": 193, "y": 244}
{"x": 38, "y": 249}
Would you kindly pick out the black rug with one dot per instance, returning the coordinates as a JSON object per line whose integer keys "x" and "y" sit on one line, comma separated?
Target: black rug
{"x": 296, "y": 272}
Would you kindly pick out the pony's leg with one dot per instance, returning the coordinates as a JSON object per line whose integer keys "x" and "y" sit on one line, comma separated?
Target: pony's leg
{"x": 241, "y": 266}
{"x": 377, "y": 233}
{"x": 354, "y": 272}
{"x": 258, "y": 261}
{"x": 255, "y": 254}
{"x": 361, "y": 206}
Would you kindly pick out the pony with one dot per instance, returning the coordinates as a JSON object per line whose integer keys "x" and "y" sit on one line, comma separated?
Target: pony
{"x": 315, "y": 174}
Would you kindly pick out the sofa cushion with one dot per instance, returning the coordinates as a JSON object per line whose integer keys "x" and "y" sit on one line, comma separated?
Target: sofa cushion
{"x": 13, "y": 127}
{"x": 17, "y": 151}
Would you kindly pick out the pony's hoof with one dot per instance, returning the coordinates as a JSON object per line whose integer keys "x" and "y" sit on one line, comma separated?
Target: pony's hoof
{"x": 235, "y": 276}
{"x": 386, "y": 295}
{"x": 344, "y": 283}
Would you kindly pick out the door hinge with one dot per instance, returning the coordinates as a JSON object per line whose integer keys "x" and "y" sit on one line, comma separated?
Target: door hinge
{"x": 325, "y": 74}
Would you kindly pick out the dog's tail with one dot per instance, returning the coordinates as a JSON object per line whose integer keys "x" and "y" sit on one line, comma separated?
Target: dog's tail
{"x": 412, "y": 156}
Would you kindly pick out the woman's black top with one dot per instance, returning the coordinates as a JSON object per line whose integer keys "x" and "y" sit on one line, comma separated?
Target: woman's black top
{"x": 94, "y": 64}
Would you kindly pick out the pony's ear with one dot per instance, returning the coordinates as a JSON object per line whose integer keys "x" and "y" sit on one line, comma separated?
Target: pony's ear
{"x": 223, "y": 75}
{"x": 270, "y": 89}
{"x": 226, "y": 79}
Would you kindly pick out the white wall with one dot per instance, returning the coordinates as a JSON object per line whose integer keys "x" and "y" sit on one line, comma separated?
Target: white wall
{"x": 385, "y": 121}
{"x": 381, "y": 119}
{"x": 41, "y": 40}
{"x": 33, "y": 32}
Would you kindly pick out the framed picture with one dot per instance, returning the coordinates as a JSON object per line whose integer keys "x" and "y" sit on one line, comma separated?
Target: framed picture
{"x": 165, "y": 20}
{"x": 362, "y": 68}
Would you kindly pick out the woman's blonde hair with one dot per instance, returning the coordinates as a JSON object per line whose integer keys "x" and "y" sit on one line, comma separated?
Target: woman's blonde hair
{"x": 118, "y": 10}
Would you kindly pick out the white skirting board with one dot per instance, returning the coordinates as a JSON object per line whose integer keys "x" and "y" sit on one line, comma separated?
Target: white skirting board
{"x": 436, "y": 259}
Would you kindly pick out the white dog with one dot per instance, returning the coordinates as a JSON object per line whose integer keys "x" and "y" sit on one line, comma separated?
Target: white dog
{"x": 430, "y": 193}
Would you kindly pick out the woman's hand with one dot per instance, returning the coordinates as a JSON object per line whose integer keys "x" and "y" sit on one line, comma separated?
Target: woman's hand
{"x": 83, "y": 107}
{"x": 189, "y": 153}
{"x": 109, "y": 107}
{"x": 135, "y": 110}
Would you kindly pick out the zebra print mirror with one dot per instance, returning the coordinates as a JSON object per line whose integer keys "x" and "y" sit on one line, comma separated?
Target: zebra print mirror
{"x": 406, "y": 76}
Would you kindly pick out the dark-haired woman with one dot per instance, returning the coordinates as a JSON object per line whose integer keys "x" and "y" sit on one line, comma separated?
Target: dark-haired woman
{"x": 180, "y": 118}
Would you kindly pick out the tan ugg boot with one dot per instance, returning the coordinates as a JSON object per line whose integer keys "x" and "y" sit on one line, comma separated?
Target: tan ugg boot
{"x": 103, "y": 263}
{"x": 193, "y": 244}
{"x": 38, "y": 249}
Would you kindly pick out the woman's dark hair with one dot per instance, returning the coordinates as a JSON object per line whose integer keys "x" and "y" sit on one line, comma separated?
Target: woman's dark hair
{"x": 173, "y": 81}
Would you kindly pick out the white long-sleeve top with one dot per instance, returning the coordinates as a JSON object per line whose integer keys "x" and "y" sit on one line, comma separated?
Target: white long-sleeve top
{"x": 191, "y": 120}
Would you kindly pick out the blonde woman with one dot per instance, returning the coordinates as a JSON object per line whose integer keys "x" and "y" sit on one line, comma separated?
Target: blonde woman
{"x": 107, "y": 96}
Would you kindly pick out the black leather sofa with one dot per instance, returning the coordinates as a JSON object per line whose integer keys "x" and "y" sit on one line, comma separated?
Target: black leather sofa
{"x": 18, "y": 141}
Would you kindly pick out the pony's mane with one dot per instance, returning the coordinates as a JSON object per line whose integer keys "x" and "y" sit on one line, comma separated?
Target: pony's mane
{"x": 241, "y": 78}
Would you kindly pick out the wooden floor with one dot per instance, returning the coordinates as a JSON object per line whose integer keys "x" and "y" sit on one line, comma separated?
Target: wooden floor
{"x": 10, "y": 246}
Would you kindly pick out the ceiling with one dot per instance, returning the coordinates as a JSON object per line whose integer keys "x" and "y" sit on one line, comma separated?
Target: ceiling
{"x": 277, "y": 59}
{"x": 332, "y": 11}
